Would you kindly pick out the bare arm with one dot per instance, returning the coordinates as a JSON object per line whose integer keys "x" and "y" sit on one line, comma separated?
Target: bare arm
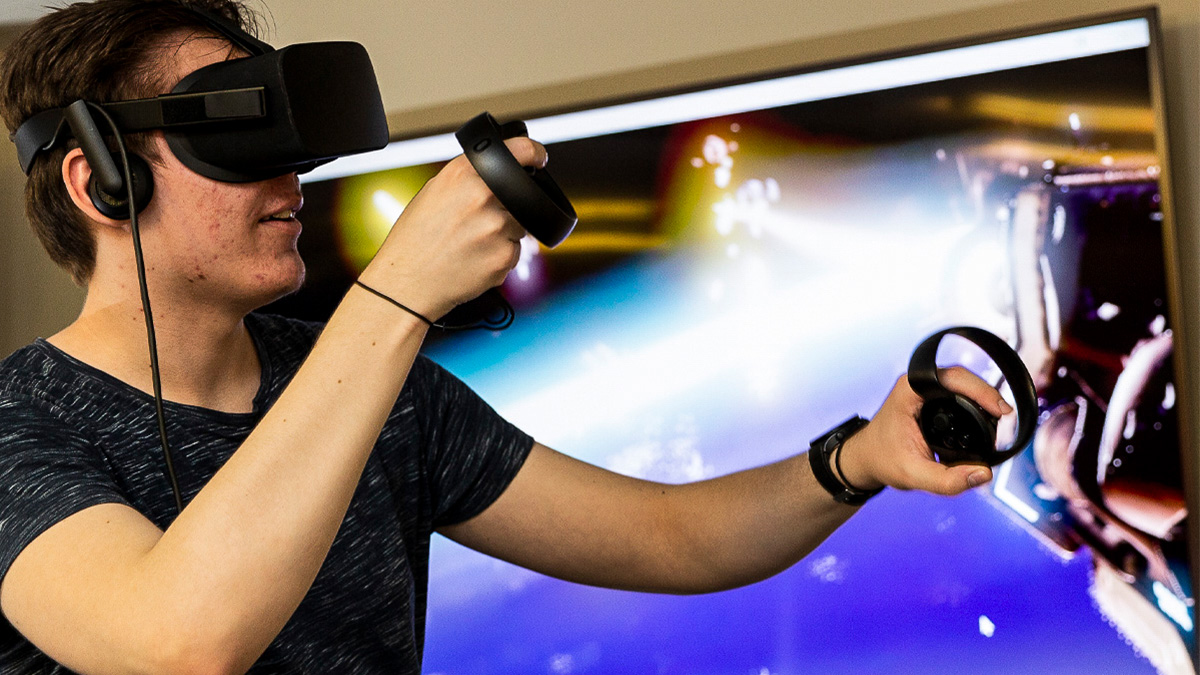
{"x": 105, "y": 591}
{"x": 578, "y": 522}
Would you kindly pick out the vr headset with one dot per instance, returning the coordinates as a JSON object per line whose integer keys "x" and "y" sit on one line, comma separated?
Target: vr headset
{"x": 248, "y": 119}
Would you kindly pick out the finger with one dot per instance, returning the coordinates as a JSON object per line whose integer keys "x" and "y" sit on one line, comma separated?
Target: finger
{"x": 513, "y": 231}
{"x": 905, "y": 397}
{"x": 528, "y": 152}
{"x": 962, "y": 381}
{"x": 973, "y": 475}
{"x": 939, "y": 479}
{"x": 516, "y": 257}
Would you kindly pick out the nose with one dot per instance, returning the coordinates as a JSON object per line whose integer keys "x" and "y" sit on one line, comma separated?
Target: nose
{"x": 287, "y": 184}
{"x": 289, "y": 179}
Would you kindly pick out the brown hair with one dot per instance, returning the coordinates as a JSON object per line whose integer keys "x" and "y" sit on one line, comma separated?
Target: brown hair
{"x": 102, "y": 51}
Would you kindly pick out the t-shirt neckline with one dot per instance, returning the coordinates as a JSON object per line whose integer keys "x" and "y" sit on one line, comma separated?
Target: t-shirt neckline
{"x": 258, "y": 406}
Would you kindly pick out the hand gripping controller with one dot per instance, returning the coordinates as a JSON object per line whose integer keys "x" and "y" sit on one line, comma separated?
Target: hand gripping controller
{"x": 529, "y": 194}
{"x": 955, "y": 427}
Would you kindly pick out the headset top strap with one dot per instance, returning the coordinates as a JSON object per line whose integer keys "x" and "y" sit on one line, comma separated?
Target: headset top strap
{"x": 231, "y": 31}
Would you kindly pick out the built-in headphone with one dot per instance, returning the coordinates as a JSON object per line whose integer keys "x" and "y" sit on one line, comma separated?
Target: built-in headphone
{"x": 115, "y": 204}
{"x": 956, "y": 428}
{"x": 107, "y": 187}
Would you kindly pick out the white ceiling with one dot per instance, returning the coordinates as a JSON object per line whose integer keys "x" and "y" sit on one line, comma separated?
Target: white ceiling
{"x": 23, "y": 11}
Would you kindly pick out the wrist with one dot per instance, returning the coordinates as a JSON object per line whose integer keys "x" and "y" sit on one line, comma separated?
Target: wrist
{"x": 825, "y": 451}
{"x": 395, "y": 303}
{"x": 375, "y": 317}
{"x": 852, "y": 472}
{"x": 403, "y": 289}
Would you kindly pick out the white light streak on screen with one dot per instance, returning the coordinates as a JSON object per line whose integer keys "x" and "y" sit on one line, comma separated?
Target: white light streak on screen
{"x": 909, "y": 70}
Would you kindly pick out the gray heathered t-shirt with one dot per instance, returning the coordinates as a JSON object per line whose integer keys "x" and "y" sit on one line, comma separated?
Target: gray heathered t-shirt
{"x": 72, "y": 437}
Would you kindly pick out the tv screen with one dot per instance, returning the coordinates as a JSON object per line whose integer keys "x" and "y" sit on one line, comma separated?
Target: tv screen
{"x": 755, "y": 262}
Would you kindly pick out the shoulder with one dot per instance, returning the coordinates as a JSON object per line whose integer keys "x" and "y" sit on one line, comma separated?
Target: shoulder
{"x": 45, "y": 401}
{"x": 430, "y": 380}
{"x": 37, "y": 376}
{"x": 31, "y": 357}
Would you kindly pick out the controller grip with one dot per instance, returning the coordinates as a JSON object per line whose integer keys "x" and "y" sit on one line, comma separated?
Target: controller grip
{"x": 530, "y": 195}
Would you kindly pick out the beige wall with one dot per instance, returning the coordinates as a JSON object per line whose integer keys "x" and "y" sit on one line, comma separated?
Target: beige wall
{"x": 34, "y": 296}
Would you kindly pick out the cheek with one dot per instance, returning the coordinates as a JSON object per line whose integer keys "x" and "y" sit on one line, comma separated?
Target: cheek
{"x": 213, "y": 217}
{"x": 216, "y": 233}
{"x": 212, "y": 242}
{"x": 190, "y": 211}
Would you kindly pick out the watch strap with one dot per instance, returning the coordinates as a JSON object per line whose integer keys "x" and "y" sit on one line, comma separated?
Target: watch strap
{"x": 819, "y": 454}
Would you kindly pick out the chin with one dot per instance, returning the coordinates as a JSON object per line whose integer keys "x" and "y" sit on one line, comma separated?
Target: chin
{"x": 279, "y": 285}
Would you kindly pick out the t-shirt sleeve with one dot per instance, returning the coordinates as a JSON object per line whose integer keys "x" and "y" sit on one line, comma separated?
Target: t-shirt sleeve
{"x": 48, "y": 471}
{"x": 472, "y": 453}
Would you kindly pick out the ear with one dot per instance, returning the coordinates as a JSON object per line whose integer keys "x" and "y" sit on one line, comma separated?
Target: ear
{"x": 77, "y": 174}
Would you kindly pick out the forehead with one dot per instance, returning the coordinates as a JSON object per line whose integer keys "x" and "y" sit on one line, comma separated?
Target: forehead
{"x": 185, "y": 53}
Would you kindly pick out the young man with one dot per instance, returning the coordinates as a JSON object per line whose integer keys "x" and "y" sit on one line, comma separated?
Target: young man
{"x": 315, "y": 462}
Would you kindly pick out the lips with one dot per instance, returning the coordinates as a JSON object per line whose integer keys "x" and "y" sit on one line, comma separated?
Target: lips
{"x": 285, "y": 214}
{"x": 284, "y": 219}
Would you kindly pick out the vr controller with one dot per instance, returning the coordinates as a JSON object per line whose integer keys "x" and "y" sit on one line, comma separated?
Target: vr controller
{"x": 956, "y": 428}
{"x": 529, "y": 194}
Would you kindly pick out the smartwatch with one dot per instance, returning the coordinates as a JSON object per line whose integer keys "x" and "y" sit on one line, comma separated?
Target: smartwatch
{"x": 819, "y": 452}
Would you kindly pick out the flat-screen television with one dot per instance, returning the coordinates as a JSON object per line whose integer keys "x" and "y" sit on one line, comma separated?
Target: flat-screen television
{"x": 754, "y": 262}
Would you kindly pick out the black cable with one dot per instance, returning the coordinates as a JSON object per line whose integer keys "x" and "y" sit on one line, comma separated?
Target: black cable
{"x": 155, "y": 374}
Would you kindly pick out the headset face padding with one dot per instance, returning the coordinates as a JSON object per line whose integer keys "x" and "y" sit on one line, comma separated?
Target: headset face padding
{"x": 956, "y": 428}
{"x": 116, "y": 206}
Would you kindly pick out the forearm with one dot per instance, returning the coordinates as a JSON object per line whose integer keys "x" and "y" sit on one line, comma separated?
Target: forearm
{"x": 744, "y": 527}
{"x": 579, "y": 522}
{"x": 750, "y": 525}
{"x": 236, "y": 563}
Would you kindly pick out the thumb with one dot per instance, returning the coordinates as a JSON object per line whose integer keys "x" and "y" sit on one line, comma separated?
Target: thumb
{"x": 948, "y": 480}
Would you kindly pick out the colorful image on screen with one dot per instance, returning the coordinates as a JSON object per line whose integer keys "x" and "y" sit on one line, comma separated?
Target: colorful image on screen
{"x": 753, "y": 264}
